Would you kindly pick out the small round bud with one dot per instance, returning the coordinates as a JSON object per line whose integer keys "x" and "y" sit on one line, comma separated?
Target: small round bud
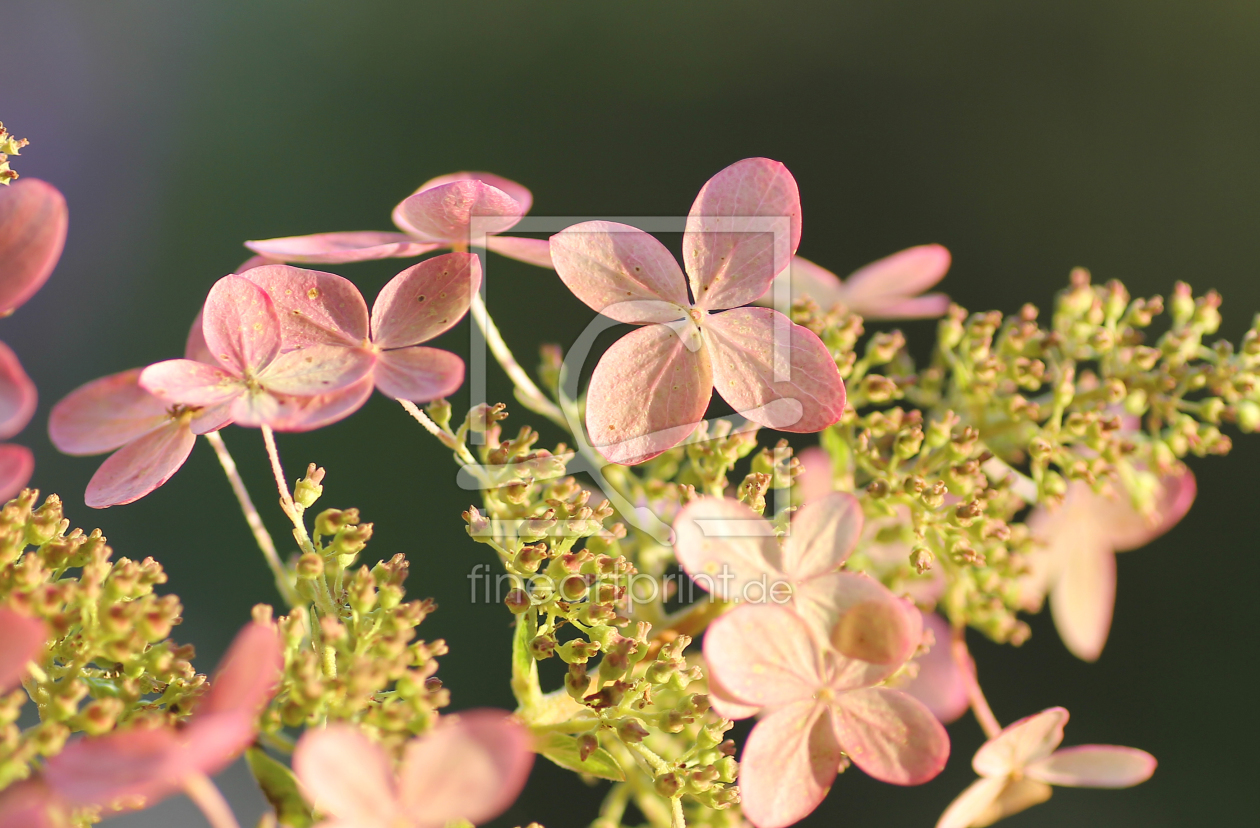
{"x": 668, "y": 784}
{"x": 517, "y": 600}
{"x": 921, "y": 559}
{"x": 310, "y": 566}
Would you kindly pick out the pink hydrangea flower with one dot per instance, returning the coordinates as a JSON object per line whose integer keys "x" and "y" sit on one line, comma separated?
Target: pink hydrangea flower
{"x": 651, "y": 388}
{"x": 815, "y": 705}
{"x": 885, "y": 289}
{"x": 20, "y": 642}
{"x": 138, "y": 766}
{"x": 324, "y": 311}
{"x": 255, "y": 378}
{"x": 33, "y": 223}
{"x": 1018, "y": 766}
{"x": 1077, "y": 564}
{"x": 439, "y": 214}
{"x": 471, "y": 767}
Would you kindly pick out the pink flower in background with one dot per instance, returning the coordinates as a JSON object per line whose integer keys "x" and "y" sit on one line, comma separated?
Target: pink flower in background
{"x": 324, "y": 311}
{"x": 1077, "y": 564}
{"x": 1018, "y": 766}
{"x": 815, "y": 705}
{"x": 885, "y": 289}
{"x": 33, "y": 224}
{"x": 146, "y": 764}
{"x": 439, "y": 214}
{"x": 651, "y": 388}
{"x": 21, "y": 640}
{"x": 471, "y": 766}
{"x": 940, "y": 684}
{"x": 29, "y": 804}
{"x": 258, "y": 381}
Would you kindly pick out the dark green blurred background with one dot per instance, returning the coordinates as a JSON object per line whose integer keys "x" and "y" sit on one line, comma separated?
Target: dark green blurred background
{"x": 1027, "y": 137}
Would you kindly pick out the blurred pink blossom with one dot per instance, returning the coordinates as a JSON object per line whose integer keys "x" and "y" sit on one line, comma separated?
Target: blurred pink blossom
{"x": 21, "y": 640}
{"x": 815, "y": 705}
{"x": 29, "y": 804}
{"x": 1018, "y": 766}
{"x": 885, "y": 289}
{"x": 940, "y": 683}
{"x": 471, "y": 766}
{"x": 650, "y": 389}
{"x": 439, "y": 214}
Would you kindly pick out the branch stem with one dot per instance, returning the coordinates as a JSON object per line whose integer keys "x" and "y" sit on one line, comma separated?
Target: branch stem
{"x": 209, "y": 799}
{"x": 529, "y": 394}
{"x": 291, "y": 510}
{"x": 967, "y": 666}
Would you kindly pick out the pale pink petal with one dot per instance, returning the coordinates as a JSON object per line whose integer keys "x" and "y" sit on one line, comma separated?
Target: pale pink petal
{"x": 240, "y": 324}
{"x": 195, "y": 347}
{"x": 774, "y": 372}
{"x": 647, "y": 394}
{"x": 868, "y": 622}
{"x": 788, "y": 764}
{"x": 1094, "y": 766}
{"x": 340, "y": 248}
{"x": 1017, "y": 795}
{"x": 248, "y": 674}
{"x": 104, "y": 414}
{"x": 30, "y": 804}
{"x": 763, "y": 654}
{"x": 882, "y": 284}
{"x": 728, "y": 549}
{"x": 1022, "y": 743}
{"x": 725, "y": 703}
{"x": 450, "y": 213}
{"x": 425, "y": 300}
{"x": 314, "y": 308}
{"x": 310, "y": 413}
{"x": 254, "y": 409}
{"x": 1174, "y": 496}
{"x": 17, "y": 464}
{"x": 33, "y": 222}
{"x": 1083, "y": 597}
{"x": 139, "y": 762}
{"x": 470, "y": 766}
{"x": 253, "y": 262}
{"x": 205, "y": 420}
{"x": 17, "y": 394}
{"x": 927, "y": 306}
{"x": 316, "y": 369}
{"x": 187, "y": 382}
{"x": 741, "y": 232}
{"x": 346, "y": 775}
{"x": 419, "y": 373}
{"x": 817, "y": 477}
{"x": 531, "y": 251}
{"x": 621, "y": 272}
{"x": 140, "y": 466}
{"x": 21, "y": 642}
{"x": 967, "y": 809}
{"x": 521, "y": 194}
{"x": 822, "y": 535}
{"x": 804, "y": 280}
{"x": 940, "y": 684}
{"x": 890, "y": 735}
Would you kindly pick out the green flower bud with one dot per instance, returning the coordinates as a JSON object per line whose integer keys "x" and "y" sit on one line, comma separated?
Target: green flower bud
{"x": 517, "y": 600}
{"x": 440, "y": 412}
{"x": 921, "y": 559}
{"x": 668, "y": 784}
{"x": 310, "y": 566}
{"x": 632, "y": 730}
{"x": 1247, "y": 413}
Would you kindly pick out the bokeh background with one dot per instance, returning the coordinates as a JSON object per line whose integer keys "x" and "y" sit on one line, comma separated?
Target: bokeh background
{"x": 1121, "y": 135}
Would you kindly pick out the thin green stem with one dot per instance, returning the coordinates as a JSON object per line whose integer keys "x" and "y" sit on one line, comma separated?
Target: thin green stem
{"x": 291, "y": 509}
{"x": 967, "y": 666}
{"x": 529, "y": 394}
{"x": 462, "y": 454}
{"x": 209, "y": 799}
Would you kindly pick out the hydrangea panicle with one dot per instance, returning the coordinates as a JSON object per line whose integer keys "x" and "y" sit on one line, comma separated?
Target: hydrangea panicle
{"x": 885, "y": 289}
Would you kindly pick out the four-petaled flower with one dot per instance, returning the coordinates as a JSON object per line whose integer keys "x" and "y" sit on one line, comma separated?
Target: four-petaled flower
{"x": 471, "y": 766}
{"x": 1018, "y": 766}
{"x": 817, "y": 707}
{"x": 650, "y": 390}
{"x": 885, "y": 289}
{"x": 443, "y": 212}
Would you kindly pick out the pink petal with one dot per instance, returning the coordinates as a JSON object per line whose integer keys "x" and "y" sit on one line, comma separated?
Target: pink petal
{"x": 241, "y": 326}
{"x": 890, "y": 735}
{"x": 30, "y": 804}
{"x": 346, "y": 775}
{"x": 1174, "y": 497}
{"x": 1094, "y": 766}
{"x": 763, "y": 654}
{"x": 728, "y": 549}
{"x": 725, "y": 703}
{"x": 928, "y": 306}
{"x": 253, "y": 262}
{"x": 822, "y": 535}
{"x": 940, "y": 683}
{"x": 186, "y": 382}
{"x": 419, "y": 374}
{"x": 523, "y": 197}
{"x": 17, "y": 394}
{"x": 140, "y": 466}
{"x": 817, "y": 478}
{"x": 531, "y": 251}
{"x": 22, "y": 642}
{"x": 733, "y": 246}
{"x": 799, "y": 389}
{"x": 314, "y": 308}
{"x": 33, "y": 222}
{"x": 804, "y": 280}
{"x": 316, "y": 369}
{"x": 340, "y": 248}
{"x": 17, "y": 464}
{"x": 104, "y": 414}
{"x": 789, "y": 762}
{"x": 425, "y": 300}
{"x": 621, "y": 272}
{"x": 977, "y": 799}
{"x": 647, "y": 394}
{"x": 205, "y": 420}
{"x": 1022, "y": 743}
{"x": 310, "y": 413}
{"x": 871, "y": 624}
{"x": 248, "y": 674}
{"x": 448, "y": 212}
{"x": 470, "y": 766}
{"x": 195, "y": 347}
{"x": 1083, "y": 598}
{"x": 883, "y": 283}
